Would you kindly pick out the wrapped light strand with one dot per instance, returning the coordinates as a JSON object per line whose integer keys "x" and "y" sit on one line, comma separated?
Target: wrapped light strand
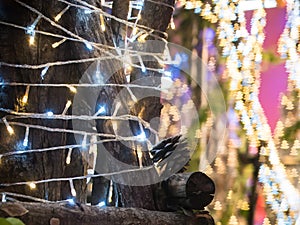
{"x": 44, "y": 71}
{"x": 102, "y": 23}
{"x": 84, "y": 140}
{"x": 61, "y": 13}
{"x": 31, "y": 30}
{"x": 68, "y": 158}
{"x": 3, "y": 199}
{"x": 73, "y": 191}
{"x": 25, "y": 97}
{"x": 25, "y": 142}
{"x": 68, "y": 104}
{"x": 140, "y": 155}
{"x": 58, "y": 43}
{"x": 8, "y": 127}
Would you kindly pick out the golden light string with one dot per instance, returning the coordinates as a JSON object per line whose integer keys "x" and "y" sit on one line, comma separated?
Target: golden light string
{"x": 289, "y": 42}
{"x": 248, "y": 104}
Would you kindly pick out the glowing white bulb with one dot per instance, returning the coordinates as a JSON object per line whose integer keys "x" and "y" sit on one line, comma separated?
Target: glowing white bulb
{"x": 142, "y": 64}
{"x": 101, "y": 204}
{"x": 68, "y": 104}
{"x": 68, "y": 159}
{"x": 3, "y": 197}
{"x": 71, "y": 201}
{"x": 84, "y": 141}
{"x": 44, "y": 71}
{"x": 73, "y": 191}
{"x": 25, "y": 142}
{"x": 87, "y": 11}
{"x": 141, "y": 136}
{"x": 89, "y": 46}
{"x": 100, "y": 111}
{"x": 50, "y": 114}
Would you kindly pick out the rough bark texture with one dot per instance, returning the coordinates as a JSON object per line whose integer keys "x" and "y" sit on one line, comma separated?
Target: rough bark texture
{"x": 130, "y": 196}
{"x": 41, "y": 214}
{"x": 15, "y": 49}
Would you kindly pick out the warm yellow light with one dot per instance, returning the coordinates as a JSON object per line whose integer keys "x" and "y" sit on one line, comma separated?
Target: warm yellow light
{"x": 32, "y": 185}
{"x": 142, "y": 38}
{"x": 57, "y": 18}
{"x": 10, "y": 130}
{"x": 31, "y": 40}
{"x": 25, "y": 99}
{"x": 73, "y": 89}
{"x": 173, "y": 27}
{"x": 102, "y": 23}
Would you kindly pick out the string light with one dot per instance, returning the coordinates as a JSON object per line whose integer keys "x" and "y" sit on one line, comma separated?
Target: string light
{"x": 230, "y": 35}
{"x": 31, "y": 40}
{"x": 71, "y": 201}
{"x": 89, "y": 46}
{"x": 172, "y": 24}
{"x": 25, "y": 142}
{"x": 68, "y": 159}
{"x": 68, "y": 104}
{"x": 32, "y": 185}
{"x": 25, "y": 97}
{"x": 31, "y": 30}
{"x": 44, "y": 71}
{"x": 73, "y": 191}
{"x": 101, "y": 111}
{"x": 140, "y": 156}
{"x": 56, "y": 44}
{"x": 83, "y": 144}
{"x": 3, "y": 197}
{"x": 73, "y": 89}
{"x": 8, "y": 127}
{"x": 110, "y": 192}
{"x": 101, "y": 204}
{"x": 59, "y": 15}
{"x": 142, "y": 64}
{"x": 102, "y": 23}
{"x": 49, "y": 114}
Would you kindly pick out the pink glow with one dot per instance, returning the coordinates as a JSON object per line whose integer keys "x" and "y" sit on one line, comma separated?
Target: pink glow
{"x": 274, "y": 77}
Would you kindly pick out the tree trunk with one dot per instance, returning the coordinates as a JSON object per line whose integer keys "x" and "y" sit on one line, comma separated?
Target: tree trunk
{"x": 16, "y": 50}
{"x": 64, "y": 214}
{"x": 131, "y": 195}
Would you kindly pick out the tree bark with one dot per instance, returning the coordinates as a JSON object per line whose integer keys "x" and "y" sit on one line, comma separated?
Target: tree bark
{"x": 64, "y": 214}
{"x": 15, "y": 49}
{"x": 130, "y": 196}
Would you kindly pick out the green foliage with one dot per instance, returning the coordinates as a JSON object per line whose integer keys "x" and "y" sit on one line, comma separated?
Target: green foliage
{"x": 10, "y": 221}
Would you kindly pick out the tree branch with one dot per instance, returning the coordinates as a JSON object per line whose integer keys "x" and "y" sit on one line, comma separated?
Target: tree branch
{"x": 63, "y": 214}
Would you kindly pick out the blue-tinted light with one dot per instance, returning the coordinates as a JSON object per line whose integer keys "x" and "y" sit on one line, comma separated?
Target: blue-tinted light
{"x": 101, "y": 204}
{"x": 50, "y": 113}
